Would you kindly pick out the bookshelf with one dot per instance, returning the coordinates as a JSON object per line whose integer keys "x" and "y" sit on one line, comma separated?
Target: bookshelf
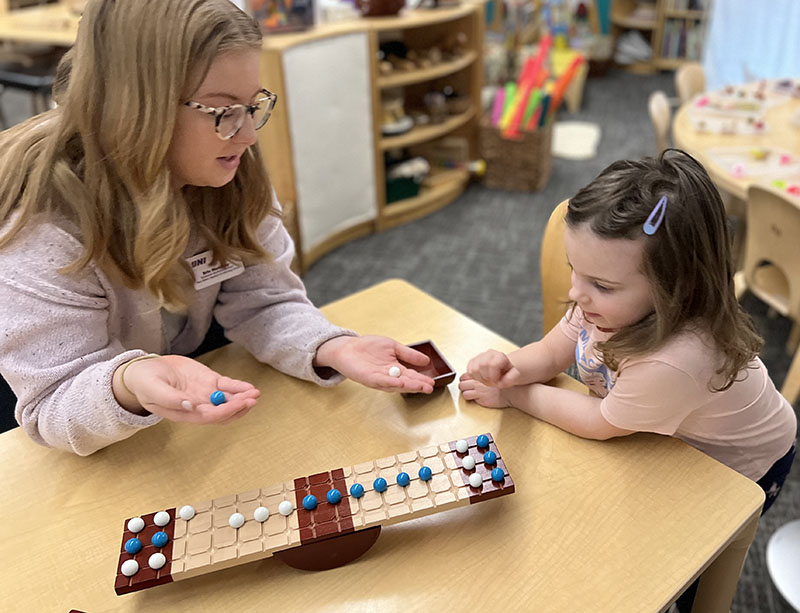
{"x": 324, "y": 146}
{"x": 674, "y": 29}
{"x": 627, "y": 15}
{"x": 680, "y": 32}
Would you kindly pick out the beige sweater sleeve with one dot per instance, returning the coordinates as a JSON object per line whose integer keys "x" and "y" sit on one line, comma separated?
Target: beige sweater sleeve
{"x": 60, "y": 343}
{"x": 266, "y": 310}
{"x": 55, "y": 350}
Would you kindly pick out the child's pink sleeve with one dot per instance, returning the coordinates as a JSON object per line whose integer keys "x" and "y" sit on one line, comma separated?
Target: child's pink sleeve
{"x": 570, "y": 324}
{"x": 651, "y": 396}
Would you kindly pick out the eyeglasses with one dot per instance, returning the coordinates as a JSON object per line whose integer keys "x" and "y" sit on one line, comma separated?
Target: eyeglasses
{"x": 229, "y": 119}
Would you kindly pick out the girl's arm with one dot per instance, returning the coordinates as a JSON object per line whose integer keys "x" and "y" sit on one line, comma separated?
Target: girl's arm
{"x": 574, "y": 412}
{"x": 534, "y": 363}
{"x": 544, "y": 359}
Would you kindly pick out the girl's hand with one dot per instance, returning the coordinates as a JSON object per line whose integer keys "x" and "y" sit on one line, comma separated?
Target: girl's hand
{"x": 493, "y": 368}
{"x": 484, "y": 395}
{"x": 178, "y": 388}
{"x": 367, "y": 360}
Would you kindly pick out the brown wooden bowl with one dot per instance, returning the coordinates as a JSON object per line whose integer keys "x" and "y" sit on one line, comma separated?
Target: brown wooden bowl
{"x": 438, "y": 368}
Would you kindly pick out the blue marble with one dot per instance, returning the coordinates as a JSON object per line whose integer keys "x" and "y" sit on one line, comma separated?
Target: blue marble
{"x": 356, "y": 490}
{"x": 482, "y": 441}
{"x": 334, "y": 496}
{"x": 133, "y": 546}
{"x": 217, "y": 398}
{"x": 379, "y": 484}
{"x": 403, "y": 479}
{"x": 490, "y": 457}
{"x": 160, "y": 539}
{"x": 310, "y": 502}
{"x": 498, "y": 474}
{"x": 425, "y": 473}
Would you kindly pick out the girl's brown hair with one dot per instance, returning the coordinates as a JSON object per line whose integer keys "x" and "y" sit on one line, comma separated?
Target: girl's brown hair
{"x": 688, "y": 259}
{"x": 98, "y": 159}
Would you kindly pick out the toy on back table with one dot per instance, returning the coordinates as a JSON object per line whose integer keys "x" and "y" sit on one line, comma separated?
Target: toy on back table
{"x": 761, "y": 161}
{"x": 314, "y": 523}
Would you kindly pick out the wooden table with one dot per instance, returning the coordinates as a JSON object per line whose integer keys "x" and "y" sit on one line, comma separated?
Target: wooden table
{"x": 622, "y": 525}
{"x": 50, "y": 24}
{"x": 779, "y": 133}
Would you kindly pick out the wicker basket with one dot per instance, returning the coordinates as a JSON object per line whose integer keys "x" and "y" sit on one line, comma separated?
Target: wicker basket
{"x": 517, "y": 165}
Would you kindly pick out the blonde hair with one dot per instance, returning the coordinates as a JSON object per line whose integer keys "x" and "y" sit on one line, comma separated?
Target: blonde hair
{"x": 99, "y": 158}
{"x": 688, "y": 260}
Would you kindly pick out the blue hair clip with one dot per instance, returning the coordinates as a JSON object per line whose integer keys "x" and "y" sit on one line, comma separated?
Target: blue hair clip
{"x": 659, "y": 209}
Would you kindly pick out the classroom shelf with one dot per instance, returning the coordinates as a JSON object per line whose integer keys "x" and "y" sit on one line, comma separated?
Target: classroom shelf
{"x": 675, "y": 34}
{"x": 684, "y": 14}
{"x": 423, "y": 134}
{"x": 631, "y": 23}
{"x": 443, "y": 188}
{"x": 426, "y": 74}
{"x": 669, "y": 63}
{"x": 333, "y": 203}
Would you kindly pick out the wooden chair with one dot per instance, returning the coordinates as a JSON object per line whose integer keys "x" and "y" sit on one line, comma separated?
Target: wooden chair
{"x": 772, "y": 265}
{"x": 555, "y": 271}
{"x": 661, "y": 116}
{"x": 690, "y": 80}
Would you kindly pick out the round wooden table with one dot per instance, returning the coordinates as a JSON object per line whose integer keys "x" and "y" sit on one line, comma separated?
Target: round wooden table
{"x": 780, "y": 133}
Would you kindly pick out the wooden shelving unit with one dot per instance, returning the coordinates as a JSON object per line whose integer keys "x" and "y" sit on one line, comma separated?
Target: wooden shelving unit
{"x": 466, "y": 70}
{"x": 427, "y": 74}
{"x": 326, "y": 159}
{"x": 684, "y": 26}
{"x": 421, "y": 134}
{"x": 670, "y": 21}
{"x": 431, "y": 198}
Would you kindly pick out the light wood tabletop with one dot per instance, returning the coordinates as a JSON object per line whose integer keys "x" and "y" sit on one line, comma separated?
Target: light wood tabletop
{"x": 620, "y": 525}
{"x": 780, "y": 133}
{"x": 50, "y": 24}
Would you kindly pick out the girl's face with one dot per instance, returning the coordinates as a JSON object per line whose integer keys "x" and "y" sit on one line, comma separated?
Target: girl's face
{"x": 607, "y": 281}
{"x": 197, "y": 156}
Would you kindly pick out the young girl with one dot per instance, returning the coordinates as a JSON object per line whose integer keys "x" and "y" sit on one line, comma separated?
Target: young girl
{"x": 655, "y": 328}
{"x": 136, "y": 211}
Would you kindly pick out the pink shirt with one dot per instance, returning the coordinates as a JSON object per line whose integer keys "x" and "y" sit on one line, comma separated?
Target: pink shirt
{"x": 746, "y": 427}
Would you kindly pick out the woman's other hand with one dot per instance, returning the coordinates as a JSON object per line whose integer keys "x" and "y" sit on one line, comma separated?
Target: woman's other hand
{"x": 179, "y": 389}
{"x": 369, "y": 359}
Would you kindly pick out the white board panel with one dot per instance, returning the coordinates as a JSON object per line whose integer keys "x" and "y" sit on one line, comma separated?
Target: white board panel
{"x": 330, "y": 121}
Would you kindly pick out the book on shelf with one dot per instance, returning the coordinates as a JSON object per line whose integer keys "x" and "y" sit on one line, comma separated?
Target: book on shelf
{"x": 682, "y": 39}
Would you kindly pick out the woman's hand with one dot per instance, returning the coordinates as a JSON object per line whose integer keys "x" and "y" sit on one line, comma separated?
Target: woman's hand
{"x": 178, "y": 388}
{"x": 484, "y": 395}
{"x": 494, "y": 369}
{"x": 367, "y": 360}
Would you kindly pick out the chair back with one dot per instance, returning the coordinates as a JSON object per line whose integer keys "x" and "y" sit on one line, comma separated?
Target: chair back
{"x": 772, "y": 258}
{"x": 690, "y": 80}
{"x": 555, "y": 271}
{"x": 661, "y": 116}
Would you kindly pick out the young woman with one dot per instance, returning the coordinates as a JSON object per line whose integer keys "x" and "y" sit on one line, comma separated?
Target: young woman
{"x": 135, "y": 212}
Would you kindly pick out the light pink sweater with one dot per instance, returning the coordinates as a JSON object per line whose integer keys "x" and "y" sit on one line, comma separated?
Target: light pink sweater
{"x": 746, "y": 427}
{"x": 62, "y": 337}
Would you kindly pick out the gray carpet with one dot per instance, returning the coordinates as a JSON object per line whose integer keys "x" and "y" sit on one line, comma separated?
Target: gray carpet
{"x": 481, "y": 255}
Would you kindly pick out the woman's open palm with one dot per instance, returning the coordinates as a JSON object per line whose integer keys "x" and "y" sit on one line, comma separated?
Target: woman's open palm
{"x": 179, "y": 389}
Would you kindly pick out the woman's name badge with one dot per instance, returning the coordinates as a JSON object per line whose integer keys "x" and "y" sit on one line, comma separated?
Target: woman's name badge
{"x": 205, "y": 274}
